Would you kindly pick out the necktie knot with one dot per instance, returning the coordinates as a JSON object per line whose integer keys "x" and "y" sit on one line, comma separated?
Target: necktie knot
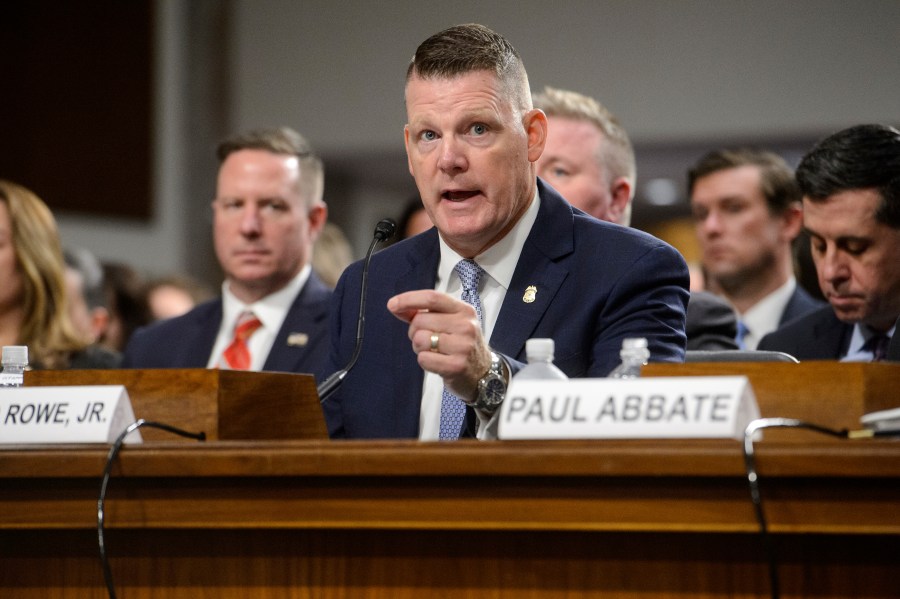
{"x": 237, "y": 354}
{"x": 247, "y": 324}
{"x": 469, "y": 274}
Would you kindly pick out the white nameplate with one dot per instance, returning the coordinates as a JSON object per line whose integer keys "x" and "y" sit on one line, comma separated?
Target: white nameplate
{"x": 642, "y": 408}
{"x": 70, "y": 414}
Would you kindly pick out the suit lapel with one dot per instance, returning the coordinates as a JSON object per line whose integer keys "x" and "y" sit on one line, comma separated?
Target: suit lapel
{"x": 199, "y": 336}
{"x": 302, "y": 324}
{"x": 537, "y": 277}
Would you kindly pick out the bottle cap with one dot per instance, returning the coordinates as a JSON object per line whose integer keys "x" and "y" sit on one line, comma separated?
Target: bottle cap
{"x": 634, "y": 343}
{"x": 15, "y": 354}
{"x": 539, "y": 348}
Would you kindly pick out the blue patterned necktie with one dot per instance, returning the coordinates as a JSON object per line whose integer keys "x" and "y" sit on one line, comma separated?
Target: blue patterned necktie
{"x": 453, "y": 410}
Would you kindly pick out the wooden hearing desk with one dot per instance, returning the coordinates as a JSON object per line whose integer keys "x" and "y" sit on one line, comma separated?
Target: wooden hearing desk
{"x": 402, "y": 519}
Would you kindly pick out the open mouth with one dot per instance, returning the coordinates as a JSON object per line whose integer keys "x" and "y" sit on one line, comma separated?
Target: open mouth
{"x": 459, "y": 196}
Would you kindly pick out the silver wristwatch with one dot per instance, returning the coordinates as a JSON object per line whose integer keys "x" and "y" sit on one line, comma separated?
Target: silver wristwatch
{"x": 492, "y": 386}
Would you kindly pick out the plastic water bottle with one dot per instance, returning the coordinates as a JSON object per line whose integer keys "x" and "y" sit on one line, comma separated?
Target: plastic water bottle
{"x": 634, "y": 354}
{"x": 15, "y": 361}
{"x": 539, "y": 353}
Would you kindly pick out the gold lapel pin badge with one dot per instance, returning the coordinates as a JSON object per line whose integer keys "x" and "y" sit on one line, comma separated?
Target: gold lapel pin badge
{"x": 530, "y": 293}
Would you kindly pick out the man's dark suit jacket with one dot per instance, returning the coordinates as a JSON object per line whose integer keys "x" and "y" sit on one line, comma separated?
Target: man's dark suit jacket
{"x": 597, "y": 283}
{"x": 817, "y": 336}
{"x": 186, "y": 341}
{"x": 711, "y": 323}
{"x": 800, "y": 304}
{"x": 893, "y": 354}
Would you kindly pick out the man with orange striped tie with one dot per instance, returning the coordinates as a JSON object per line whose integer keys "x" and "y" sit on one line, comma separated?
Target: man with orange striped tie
{"x": 273, "y": 313}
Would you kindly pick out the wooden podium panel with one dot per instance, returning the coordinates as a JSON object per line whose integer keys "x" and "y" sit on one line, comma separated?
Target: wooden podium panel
{"x": 225, "y": 404}
{"x": 832, "y": 394}
{"x": 274, "y": 519}
{"x": 593, "y": 519}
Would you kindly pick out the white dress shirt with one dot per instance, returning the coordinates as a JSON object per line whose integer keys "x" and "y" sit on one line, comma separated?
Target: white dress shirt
{"x": 270, "y": 310}
{"x": 765, "y": 315}
{"x": 499, "y": 263}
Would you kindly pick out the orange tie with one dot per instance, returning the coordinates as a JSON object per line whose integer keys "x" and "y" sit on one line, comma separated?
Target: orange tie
{"x": 237, "y": 355}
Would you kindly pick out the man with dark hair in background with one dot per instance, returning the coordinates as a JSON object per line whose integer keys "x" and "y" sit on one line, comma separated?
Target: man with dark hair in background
{"x": 449, "y": 310}
{"x": 851, "y": 209}
{"x": 273, "y": 313}
{"x": 747, "y": 213}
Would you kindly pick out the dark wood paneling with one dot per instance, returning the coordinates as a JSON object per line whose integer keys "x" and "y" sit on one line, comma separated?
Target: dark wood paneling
{"x": 76, "y": 112}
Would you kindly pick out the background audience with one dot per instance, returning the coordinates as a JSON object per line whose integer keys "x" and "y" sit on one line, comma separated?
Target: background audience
{"x": 851, "y": 209}
{"x": 332, "y": 253}
{"x": 589, "y": 159}
{"x": 86, "y": 294}
{"x": 174, "y": 295}
{"x": 34, "y": 305}
{"x": 273, "y": 313}
{"x": 747, "y": 213}
{"x": 126, "y": 300}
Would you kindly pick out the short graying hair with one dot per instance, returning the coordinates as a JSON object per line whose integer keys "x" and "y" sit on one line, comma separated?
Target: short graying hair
{"x": 469, "y": 48}
{"x": 286, "y": 141}
{"x": 617, "y": 155}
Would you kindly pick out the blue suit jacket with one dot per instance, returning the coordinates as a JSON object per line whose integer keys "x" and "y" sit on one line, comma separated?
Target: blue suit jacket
{"x": 817, "y": 336}
{"x": 597, "y": 283}
{"x": 187, "y": 341}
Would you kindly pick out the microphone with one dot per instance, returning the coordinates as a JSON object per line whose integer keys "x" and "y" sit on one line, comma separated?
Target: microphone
{"x": 384, "y": 230}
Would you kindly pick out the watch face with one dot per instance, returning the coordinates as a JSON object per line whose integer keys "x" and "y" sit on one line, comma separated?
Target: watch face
{"x": 494, "y": 389}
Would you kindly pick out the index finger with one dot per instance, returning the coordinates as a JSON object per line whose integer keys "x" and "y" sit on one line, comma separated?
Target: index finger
{"x": 406, "y": 305}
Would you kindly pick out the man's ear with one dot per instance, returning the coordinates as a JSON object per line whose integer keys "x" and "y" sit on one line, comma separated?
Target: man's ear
{"x": 317, "y": 216}
{"x": 406, "y": 145}
{"x": 535, "y": 123}
{"x": 620, "y": 193}
{"x": 792, "y": 220}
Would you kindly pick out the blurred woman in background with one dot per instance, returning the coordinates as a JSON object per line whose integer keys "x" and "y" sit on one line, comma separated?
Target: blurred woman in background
{"x": 33, "y": 302}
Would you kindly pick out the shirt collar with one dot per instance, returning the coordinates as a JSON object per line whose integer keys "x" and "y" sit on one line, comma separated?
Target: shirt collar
{"x": 271, "y": 309}
{"x": 765, "y": 315}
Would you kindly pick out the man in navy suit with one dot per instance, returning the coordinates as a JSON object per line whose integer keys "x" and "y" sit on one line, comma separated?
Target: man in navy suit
{"x": 747, "y": 212}
{"x": 508, "y": 259}
{"x": 851, "y": 210}
{"x": 267, "y": 214}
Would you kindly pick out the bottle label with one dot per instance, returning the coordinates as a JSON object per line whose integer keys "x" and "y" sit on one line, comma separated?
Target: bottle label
{"x": 9, "y": 379}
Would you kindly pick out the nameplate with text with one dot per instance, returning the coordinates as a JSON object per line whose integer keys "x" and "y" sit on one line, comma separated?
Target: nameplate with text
{"x": 70, "y": 414}
{"x": 642, "y": 408}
